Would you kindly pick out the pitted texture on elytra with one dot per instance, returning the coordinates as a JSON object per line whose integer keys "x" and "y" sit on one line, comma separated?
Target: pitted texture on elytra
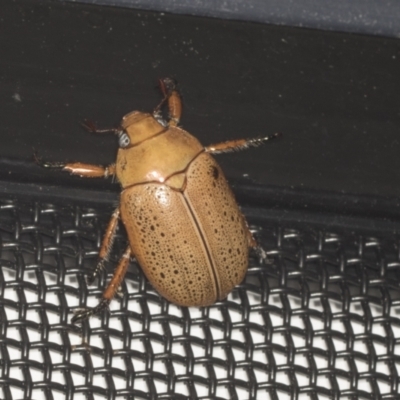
{"x": 321, "y": 322}
{"x": 167, "y": 244}
{"x": 219, "y": 218}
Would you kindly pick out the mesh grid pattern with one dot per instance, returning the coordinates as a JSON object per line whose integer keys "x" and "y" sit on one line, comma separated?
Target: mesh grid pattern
{"x": 322, "y": 321}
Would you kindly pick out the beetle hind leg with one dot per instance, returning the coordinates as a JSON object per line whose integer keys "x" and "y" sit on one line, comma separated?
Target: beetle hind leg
{"x": 119, "y": 274}
{"x": 106, "y": 246}
{"x": 82, "y": 314}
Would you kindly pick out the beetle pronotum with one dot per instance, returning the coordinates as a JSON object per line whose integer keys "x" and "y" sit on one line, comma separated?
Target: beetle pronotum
{"x": 184, "y": 226}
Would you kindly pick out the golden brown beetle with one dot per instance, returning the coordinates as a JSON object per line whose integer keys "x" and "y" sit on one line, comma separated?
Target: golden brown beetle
{"x": 184, "y": 226}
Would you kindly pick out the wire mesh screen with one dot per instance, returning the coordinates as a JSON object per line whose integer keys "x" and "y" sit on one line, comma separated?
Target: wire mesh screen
{"x": 322, "y": 320}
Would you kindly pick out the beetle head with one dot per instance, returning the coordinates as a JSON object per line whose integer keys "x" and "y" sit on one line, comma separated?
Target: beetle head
{"x": 137, "y": 127}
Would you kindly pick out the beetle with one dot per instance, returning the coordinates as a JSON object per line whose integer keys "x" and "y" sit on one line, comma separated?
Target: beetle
{"x": 184, "y": 226}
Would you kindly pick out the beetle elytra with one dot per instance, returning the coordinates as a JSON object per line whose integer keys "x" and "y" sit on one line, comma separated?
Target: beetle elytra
{"x": 184, "y": 226}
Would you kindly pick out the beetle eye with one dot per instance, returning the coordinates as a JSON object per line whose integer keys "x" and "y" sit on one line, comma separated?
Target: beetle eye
{"x": 124, "y": 140}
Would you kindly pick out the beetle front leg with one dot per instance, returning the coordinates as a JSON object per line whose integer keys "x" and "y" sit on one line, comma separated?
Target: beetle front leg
{"x": 77, "y": 168}
{"x": 106, "y": 246}
{"x": 239, "y": 144}
{"x": 173, "y": 99}
{"x": 112, "y": 288}
{"x": 89, "y": 170}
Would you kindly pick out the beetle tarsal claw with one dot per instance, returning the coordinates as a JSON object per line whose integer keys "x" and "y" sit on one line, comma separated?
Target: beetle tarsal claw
{"x": 81, "y": 314}
{"x": 46, "y": 164}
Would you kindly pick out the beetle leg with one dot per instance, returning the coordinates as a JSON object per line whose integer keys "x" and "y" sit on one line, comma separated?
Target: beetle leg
{"x": 89, "y": 170}
{"x": 157, "y": 110}
{"x": 173, "y": 98}
{"x": 174, "y": 106}
{"x": 46, "y": 164}
{"x": 106, "y": 246}
{"x": 119, "y": 275}
{"x": 77, "y": 168}
{"x": 239, "y": 144}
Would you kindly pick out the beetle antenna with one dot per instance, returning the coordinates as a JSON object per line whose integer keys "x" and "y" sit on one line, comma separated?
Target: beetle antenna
{"x": 91, "y": 127}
